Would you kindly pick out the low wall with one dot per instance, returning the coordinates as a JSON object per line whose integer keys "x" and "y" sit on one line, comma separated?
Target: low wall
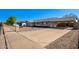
{"x": 68, "y": 41}
{"x": 2, "y": 40}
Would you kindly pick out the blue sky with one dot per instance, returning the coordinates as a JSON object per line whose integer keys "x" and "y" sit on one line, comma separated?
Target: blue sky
{"x": 35, "y": 14}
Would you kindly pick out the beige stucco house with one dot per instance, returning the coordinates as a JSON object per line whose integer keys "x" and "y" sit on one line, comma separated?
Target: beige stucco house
{"x": 56, "y": 22}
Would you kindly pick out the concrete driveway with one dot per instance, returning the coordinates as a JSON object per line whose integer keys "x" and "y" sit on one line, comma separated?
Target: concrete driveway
{"x": 32, "y": 39}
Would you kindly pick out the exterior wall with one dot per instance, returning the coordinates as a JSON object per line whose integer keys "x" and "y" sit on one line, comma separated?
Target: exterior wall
{"x": 68, "y": 41}
{"x": 30, "y": 24}
{"x": 52, "y": 25}
{"x": 2, "y": 40}
{"x": 48, "y": 24}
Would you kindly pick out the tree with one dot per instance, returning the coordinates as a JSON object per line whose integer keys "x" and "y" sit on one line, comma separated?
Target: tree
{"x": 71, "y": 15}
{"x": 11, "y": 20}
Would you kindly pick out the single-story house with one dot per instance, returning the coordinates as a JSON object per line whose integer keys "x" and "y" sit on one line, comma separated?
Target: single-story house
{"x": 55, "y": 22}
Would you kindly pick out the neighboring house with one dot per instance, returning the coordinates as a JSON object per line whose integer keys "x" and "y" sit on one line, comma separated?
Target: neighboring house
{"x": 22, "y": 23}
